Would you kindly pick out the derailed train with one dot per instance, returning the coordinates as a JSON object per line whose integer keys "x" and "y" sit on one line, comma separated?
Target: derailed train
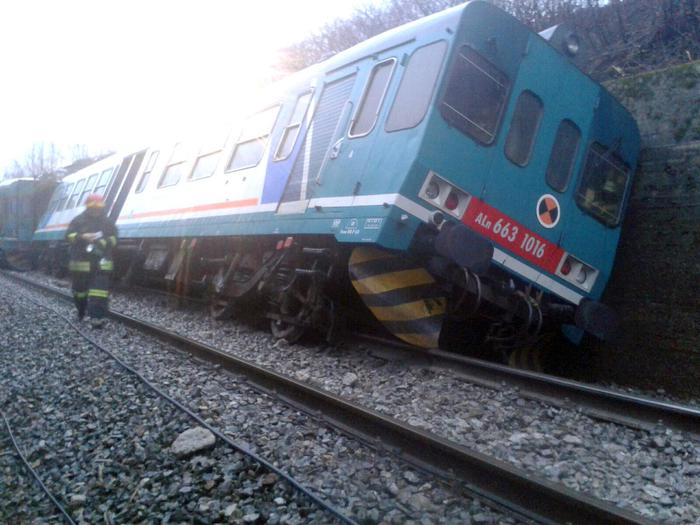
{"x": 457, "y": 174}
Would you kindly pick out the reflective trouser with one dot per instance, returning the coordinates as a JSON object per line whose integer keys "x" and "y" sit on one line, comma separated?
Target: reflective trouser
{"x": 91, "y": 279}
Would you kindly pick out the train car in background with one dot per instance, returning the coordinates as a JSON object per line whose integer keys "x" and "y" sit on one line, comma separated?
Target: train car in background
{"x": 459, "y": 173}
{"x": 110, "y": 177}
{"x": 22, "y": 202}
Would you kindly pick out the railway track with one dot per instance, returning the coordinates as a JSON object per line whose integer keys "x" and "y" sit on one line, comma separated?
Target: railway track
{"x": 602, "y": 403}
{"x": 507, "y": 488}
{"x": 179, "y": 409}
{"x": 631, "y": 410}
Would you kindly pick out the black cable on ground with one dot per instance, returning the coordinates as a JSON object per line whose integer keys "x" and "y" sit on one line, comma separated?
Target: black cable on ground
{"x": 34, "y": 474}
{"x": 258, "y": 459}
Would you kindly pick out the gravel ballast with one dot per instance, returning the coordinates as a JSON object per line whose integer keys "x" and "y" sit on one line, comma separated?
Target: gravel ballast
{"x": 655, "y": 473}
{"x": 126, "y": 469}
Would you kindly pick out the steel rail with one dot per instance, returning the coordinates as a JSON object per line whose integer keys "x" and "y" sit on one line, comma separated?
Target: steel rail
{"x": 599, "y": 402}
{"x": 631, "y": 410}
{"x": 507, "y": 487}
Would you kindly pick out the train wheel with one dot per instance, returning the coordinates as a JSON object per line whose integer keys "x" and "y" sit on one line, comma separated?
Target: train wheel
{"x": 293, "y": 304}
{"x": 289, "y": 332}
{"x": 220, "y": 308}
{"x": 297, "y": 301}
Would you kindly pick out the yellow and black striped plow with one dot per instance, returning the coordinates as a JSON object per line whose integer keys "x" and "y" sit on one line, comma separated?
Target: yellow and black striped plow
{"x": 402, "y": 295}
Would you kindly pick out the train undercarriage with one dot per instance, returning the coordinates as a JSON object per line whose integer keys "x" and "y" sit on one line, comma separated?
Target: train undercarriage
{"x": 434, "y": 296}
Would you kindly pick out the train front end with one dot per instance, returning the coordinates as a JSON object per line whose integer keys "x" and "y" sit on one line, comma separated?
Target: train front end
{"x": 521, "y": 182}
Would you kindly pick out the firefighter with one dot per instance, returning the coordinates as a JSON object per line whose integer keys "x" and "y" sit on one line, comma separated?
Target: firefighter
{"x": 92, "y": 237}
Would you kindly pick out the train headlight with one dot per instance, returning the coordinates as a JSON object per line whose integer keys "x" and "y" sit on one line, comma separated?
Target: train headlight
{"x": 432, "y": 190}
{"x": 572, "y": 44}
{"x": 566, "y": 267}
{"x": 582, "y": 275}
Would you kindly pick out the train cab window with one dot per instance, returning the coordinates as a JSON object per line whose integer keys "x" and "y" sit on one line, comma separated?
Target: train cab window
{"x": 67, "y": 189}
{"x": 104, "y": 181}
{"x": 58, "y": 199}
{"x": 252, "y": 140}
{"x": 87, "y": 190}
{"x": 475, "y": 96}
{"x": 291, "y": 131}
{"x": 563, "y": 156}
{"x": 55, "y": 201}
{"x": 175, "y": 168}
{"x": 417, "y": 87}
{"x": 368, "y": 111}
{"x": 147, "y": 171}
{"x": 73, "y": 201}
{"x": 603, "y": 185}
{"x": 523, "y": 128}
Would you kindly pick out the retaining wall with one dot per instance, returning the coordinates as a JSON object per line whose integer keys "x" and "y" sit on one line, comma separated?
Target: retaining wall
{"x": 656, "y": 282}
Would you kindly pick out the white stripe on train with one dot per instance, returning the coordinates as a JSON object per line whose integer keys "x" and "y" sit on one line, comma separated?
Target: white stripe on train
{"x": 409, "y": 206}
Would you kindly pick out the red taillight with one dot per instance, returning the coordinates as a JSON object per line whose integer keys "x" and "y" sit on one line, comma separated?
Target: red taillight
{"x": 452, "y": 201}
{"x": 566, "y": 268}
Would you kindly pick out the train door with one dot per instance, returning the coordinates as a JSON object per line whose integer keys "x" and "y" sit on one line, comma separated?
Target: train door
{"x": 347, "y": 170}
{"x": 529, "y": 185}
{"x": 122, "y": 182}
{"x": 327, "y": 124}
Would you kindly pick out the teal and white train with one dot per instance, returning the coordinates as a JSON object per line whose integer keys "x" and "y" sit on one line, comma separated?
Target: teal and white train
{"x": 456, "y": 172}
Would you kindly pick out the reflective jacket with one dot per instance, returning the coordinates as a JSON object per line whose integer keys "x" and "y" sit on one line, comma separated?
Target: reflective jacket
{"x": 86, "y": 223}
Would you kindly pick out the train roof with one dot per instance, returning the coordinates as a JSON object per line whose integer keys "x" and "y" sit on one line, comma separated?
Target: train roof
{"x": 104, "y": 163}
{"x": 393, "y": 37}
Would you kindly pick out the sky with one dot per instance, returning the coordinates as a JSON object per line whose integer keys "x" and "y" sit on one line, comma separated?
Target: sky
{"x": 128, "y": 73}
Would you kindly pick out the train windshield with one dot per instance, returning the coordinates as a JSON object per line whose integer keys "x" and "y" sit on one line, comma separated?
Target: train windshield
{"x": 603, "y": 185}
{"x": 475, "y": 96}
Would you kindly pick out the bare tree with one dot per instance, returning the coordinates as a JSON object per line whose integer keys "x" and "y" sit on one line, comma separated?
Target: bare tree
{"x": 42, "y": 159}
{"x": 46, "y": 159}
{"x": 627, "y": 36}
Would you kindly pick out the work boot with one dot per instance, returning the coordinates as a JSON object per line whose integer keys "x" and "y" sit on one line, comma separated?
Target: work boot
{"x": 97, "y": 323}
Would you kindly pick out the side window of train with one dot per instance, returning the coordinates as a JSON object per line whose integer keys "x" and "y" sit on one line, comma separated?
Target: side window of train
{"x": 563, "y": 156}
{"x": 603, "y": 185}
{"x": 417, "y": 87}
{"x": 147, "y": 171}
{"x": 87, "y": 190}
{"x": 372, "y": 99}
{"x": 252, "y": 140}
{"x": 523, "y": 128}
{"x": 175, "y": 168}
{"x": 208, "y": 156}
{"x": 291, "y": 131}
{"x": 72, "y": 202}
{"x": 475, "y": 96}
{"x": 104, "y": 181}
{"x": 205, "y": 164}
